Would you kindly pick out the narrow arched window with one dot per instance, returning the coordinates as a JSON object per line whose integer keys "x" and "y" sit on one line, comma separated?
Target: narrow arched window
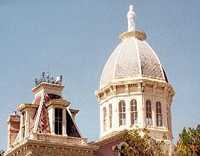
{"x": 122, "y": 113}
{"x": 148, "y": 113}
{"x": 110, "y": 115}
{"x": 104, "y": 118}
{"x": 159, "y": 122}
{"x": 133, "y": 111}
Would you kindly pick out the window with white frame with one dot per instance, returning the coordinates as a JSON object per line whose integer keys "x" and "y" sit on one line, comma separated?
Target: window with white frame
{"x": 133, "y": 111}
{"x": 110, "y": 115}
{"x": 104, "y": 118}
{"x": 148, "y": 113}
{"x": 122, "y": 113}
{"x": 159, "y": 122}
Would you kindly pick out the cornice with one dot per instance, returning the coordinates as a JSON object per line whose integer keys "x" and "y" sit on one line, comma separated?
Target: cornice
{"x": 58, "y": 102}
{"x": 45, "y": 85}
{"x": 138, "y": 86}
{"x": 30, "y": 144}
{"x": 24, "y": 106}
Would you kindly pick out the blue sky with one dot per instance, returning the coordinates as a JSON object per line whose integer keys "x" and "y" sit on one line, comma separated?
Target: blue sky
{"x": 75, "y": 38}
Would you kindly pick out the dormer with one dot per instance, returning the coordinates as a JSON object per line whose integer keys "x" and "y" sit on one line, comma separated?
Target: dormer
{"x": 47, "y": 121}
{"x": 49, "y": 113}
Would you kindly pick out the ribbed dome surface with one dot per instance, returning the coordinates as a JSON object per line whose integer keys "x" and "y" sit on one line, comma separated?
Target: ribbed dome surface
{"x": 132, "y": 59}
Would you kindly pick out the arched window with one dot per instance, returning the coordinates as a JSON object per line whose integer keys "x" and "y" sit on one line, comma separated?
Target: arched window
{"x": 148, "y": 113}
{"x": 110, "y": 115}
{"x": 133, "y": 111}
{"x": 122, "y": 112}
{"x": 159, "y": 122}
{"x": 104, "y": 118}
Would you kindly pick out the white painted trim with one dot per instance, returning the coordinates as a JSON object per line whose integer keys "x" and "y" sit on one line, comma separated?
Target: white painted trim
{"x": 38, "y": 114}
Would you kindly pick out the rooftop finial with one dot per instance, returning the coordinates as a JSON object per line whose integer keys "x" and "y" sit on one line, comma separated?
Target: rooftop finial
{"x": 131, "y": 19}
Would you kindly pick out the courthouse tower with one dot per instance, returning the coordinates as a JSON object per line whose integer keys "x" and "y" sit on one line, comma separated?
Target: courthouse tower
{"x": 134, "y": 91}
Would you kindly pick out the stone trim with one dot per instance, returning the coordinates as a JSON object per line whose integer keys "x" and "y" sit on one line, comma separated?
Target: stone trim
{"x": 35, "y": 147}
{"x": 24, "y": 106}
{"x": 58, "y": 102}
{"x": 45, "y": 85}
{"x": 137, "y": 86}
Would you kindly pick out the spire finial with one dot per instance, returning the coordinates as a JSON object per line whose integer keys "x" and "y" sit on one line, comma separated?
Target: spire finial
{"x": 131, "y": 19}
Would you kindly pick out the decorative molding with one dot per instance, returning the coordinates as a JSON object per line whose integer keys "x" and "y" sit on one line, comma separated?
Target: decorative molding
{"x": 45, "y": 85}
{"x": 58, "y": 103}
{"x": 23, "y": 106}
{"x": 137, "y": 34}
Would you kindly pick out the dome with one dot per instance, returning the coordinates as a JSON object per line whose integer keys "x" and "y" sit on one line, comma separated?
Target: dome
{"x": 132, "y": 59}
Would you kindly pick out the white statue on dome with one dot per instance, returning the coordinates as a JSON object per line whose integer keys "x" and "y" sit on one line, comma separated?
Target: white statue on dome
{"x": 131, "y": 19}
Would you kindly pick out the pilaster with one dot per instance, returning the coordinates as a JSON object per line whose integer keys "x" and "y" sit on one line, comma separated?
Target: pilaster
{"x": 153, "y": 106}
{"x": 27, "y": 122}
{"x": 128, "y": 114}
{"x": 52, "y": 119}
{"x": 64, "y": 122}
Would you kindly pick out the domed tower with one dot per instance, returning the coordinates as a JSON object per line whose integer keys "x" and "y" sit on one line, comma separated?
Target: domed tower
{"x": 134, "y": 91}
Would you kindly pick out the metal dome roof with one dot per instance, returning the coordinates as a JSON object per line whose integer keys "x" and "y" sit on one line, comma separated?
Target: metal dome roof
{"x": 132, "y": 59}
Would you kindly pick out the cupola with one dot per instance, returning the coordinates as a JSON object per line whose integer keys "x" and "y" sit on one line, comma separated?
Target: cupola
{"x": 134, "y": 91}
{"x": 132, "y": 59}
